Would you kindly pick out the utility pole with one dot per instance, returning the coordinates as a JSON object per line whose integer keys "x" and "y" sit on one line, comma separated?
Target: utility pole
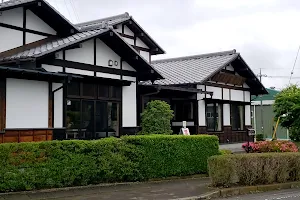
{"x": 260, "y": 75}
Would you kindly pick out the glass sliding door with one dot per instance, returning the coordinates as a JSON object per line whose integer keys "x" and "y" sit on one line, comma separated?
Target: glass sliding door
{"x": 73, "y": 118}
{"x": 88, "y": 120}
{"x": 101, "y": 119}
{"x": 113, "y": 119}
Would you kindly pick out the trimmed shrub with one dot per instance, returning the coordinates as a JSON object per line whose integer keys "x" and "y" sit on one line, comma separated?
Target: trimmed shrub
{"x": 260, "y": 137}
{"x": 156, "y": 118}
{"x": 271, "y": 146}
{"x": 29, "y": 166}
{"x": 252, "y": 169}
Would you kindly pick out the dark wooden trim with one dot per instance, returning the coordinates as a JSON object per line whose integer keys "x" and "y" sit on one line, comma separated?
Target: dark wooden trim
{"x": 140, "y": 48}
{"x": 226, "y": 86}
{"x": 2, "y": 104}
{"x": 227, "y": 101}
{"x": 24, "y": 25}
{"x": 121, "y": 67}
{"x": 64, "y": 58}
{"x": 205, "y": 92}
{"x": 95, "y": 55}
{"x": 127, "y": 36}
{"x": 122, "y": 28}
{"x": 50, "y": 106}
{"x": 24, "y": 30}
{"x": 222, "y": 93}
{"x": 89, "y": 67}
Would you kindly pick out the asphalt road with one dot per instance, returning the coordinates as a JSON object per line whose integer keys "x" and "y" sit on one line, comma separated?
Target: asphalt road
{"x": 290, "y": 194}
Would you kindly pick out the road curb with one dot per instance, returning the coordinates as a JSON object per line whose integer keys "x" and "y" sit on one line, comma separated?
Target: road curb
{"x": 228, "y": 192}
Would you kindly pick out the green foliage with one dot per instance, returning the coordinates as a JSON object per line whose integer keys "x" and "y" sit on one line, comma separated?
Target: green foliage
{"x": 156, "y": 118}
{"x": 287, "y": 102}
{"x": 259, "y": 137}
{"x": 30, "y": 166}
{"x": 225, "y": 151}
{"x": 252, "y": 169}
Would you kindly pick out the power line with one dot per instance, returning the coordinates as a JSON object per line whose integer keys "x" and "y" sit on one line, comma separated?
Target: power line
{"x": 68, "y": 9}
{"x": 292, "y": 72}
{"x": 74, "y": 10}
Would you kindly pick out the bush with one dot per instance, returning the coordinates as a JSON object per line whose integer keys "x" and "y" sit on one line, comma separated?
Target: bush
{"x": 29, "y": 166}
{"x": 259, "y": 137}
{"x": 225, "y": 151}
{"x": 252, "y": 169}
{"x": 271, "y": 146}
{"x": 156, "y": 118}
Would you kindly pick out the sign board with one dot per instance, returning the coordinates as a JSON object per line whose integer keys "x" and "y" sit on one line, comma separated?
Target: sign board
{"x": 251, "y": 131}
{"x": 185, "y": 131}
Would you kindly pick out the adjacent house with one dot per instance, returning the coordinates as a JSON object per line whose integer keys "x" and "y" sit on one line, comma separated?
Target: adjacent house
{"x": 210, "y": 91}
{"x": 65, "y": 81}
{"x": 263, "y": 116}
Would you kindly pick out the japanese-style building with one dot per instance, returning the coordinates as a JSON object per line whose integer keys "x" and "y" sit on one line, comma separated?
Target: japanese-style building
{"x": 211, "y": 92}
{"x": 60, "y": 80}
{"x": 65, "y": 81}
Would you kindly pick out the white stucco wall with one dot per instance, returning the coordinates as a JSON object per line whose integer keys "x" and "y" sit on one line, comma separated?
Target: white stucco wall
{"x": 12, "y": 17}
{"x": 26, "y": 104}
{"x": 226, "y": 114}
{"x": 82, "y": 55}
{"x": 247, "y": 115}
{"x": 10, "y": 39}
{"x": 199, "y": 95}
{"x": 216, "y": 90}
{"x": 104, "y": 54}
{"x": 201, "y": 113}
{"x": 33, "y": 38}
{"x": 107, "y": 75}
{"x": 145, "y": 55}
{"x": 126, "y": 66}
{"x": 247, "y": 96}
{"x": 58, "y": 105}
{"x": 33, "y": 22}
{"x": 127, "y": 31}
{"x": 226, "y": 95}
{"x": 129, "y": 78}
{"x": 128, "y": 40}
{"x": 119, "y": 28}
{"x": 237, "y": 95}
{"x": 129, "y": 106}
{"x": 79, "y": 71}
{"x": 245, "y": 85}
{"x": 52, "y": 68}
{"x": 229, "y": 67}
{"x": 140, "y": 43}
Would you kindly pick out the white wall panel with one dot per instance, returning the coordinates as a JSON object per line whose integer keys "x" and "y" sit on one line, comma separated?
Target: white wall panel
{"x": 126, "y": 66}
{"x": 79, "y": 71}
{"x": 230, "y": 68}
{"x": 245, "y": 85}
{"x": 217, "y": 92}
{"x": 226, "y": 114}
{"x": 140, "y": 43}
{"x": 58, "y": 105}
{"x": 33, "y": 38}
{"x": 145, "y": 55}
{"x": 26, "y": 104}
{"x": 104, "y": 54}
{"x": 129, "y": 78}
{"x": 13, "y": 17}
{"x": 107, "y": 75}
{"x": 201, "y": 113}
{"x": 10, "y": 39}
{"x": 199, "y": 95}
{"x": 82, "y": 55}
{"x": 237, "y": 95}
{"x": 226, "y": 95}
{"x": 247, "y": 115}
{"x": 52, "y": 68}
{"x": 119, "y": 28}
{"x": 129, "y": 106}
{"x": 33, "y": 22}
{"x": 247, "y": 96}
{"x": 128, "y": 40}
{"x": 127, "y": 31}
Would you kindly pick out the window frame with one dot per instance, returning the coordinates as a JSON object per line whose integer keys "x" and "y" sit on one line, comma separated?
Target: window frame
{"x": 220, "y": 116}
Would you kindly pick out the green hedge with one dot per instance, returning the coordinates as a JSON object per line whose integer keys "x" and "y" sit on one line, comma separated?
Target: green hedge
{"x": 253, "y": 169}
{"x": 28, "y": 166}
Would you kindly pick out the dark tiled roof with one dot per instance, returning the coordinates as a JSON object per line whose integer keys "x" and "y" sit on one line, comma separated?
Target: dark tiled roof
{"x": 109, "y": 21}
{"x": 53, "y": 46}
{"x": 192, "y": 69}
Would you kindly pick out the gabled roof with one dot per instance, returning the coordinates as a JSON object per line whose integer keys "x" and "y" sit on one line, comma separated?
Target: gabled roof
{"x": 45, "y": 11}
{"x": 122, "y": 19}
{"x": 198, "y": 69}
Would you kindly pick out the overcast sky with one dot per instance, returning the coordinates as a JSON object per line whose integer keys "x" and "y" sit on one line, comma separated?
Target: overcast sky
{"x": 265, "y": 32}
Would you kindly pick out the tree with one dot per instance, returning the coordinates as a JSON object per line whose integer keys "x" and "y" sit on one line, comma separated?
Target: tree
{"x": 156, "y": 118}
{"x": 287, "y": 107}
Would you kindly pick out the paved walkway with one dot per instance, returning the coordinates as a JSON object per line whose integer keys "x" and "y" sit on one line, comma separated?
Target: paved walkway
{"x": 235, "y": 148}
{"x": 172, "y": 189}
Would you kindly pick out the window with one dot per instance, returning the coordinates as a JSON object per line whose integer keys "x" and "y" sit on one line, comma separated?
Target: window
{"x": 237, "y": 114}
{"x": 74, "y": 89}
{"x": 183, "y": 111}
{"x": 214, "y": 117}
